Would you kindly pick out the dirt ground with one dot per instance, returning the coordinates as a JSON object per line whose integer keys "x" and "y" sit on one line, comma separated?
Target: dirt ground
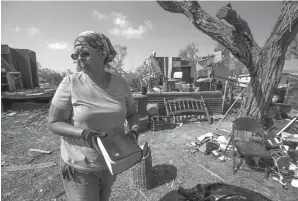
{"x": 173, "y": 164}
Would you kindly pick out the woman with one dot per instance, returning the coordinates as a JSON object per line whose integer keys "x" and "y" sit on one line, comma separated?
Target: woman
{"x": 86, "y": 104}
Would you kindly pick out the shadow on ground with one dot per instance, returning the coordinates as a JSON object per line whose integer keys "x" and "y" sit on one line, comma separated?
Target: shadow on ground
{"x": 215, "y": 191}
{"x": 172, "y": 196}
{"x": 162, "y": 174}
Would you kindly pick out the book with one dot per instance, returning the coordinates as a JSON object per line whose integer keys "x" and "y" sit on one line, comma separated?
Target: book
{"x": 120, "y": 152}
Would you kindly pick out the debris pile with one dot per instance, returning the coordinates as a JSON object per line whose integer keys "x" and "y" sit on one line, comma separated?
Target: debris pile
{"x": 28, "y": 93}
{"x": 282, "y": 146}
{"x": 214, "y": 144}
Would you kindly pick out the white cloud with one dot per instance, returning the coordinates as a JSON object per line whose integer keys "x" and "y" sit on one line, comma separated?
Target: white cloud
{"x": 17, "y": 28}
{"x": 33, "y": 31}
{"x": 58, "y": 45}
{"x": 98, "y": 15}
{"x": 120, "y": 20}
{"x": 148, "y": 24}
{"x": 125, "y": 28}
{"x": 128, "y": 32}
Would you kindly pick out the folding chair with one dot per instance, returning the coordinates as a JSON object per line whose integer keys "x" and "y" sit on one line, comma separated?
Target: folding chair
{"x": 246, "y": 148}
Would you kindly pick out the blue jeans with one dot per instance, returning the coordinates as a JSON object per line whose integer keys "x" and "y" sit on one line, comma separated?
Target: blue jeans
{"x": 86, "y": 186}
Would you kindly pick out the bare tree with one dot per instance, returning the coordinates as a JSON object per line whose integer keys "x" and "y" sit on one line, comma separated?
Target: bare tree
{"x": 190, "y": 52}
{"x": 148, "y": 69}
{"x": 46, "y": 75}
{"x": 143, "y": 70}
{"x": 116, "y": 66}
{"x": 265, "y": 64}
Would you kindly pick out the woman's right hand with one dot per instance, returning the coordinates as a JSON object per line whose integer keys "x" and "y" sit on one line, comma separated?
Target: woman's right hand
{"x": 133, "y": 134}
{"x": 88, "y": 134}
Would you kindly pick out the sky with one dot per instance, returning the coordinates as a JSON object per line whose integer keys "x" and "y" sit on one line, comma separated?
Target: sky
{"x": 49, "y": 28}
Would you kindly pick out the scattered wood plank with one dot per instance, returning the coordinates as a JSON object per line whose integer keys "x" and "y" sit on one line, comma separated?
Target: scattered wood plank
{"x": 11, "y": 114}
{"x": 41, "y": 151}
{"x": 27, "y": 167}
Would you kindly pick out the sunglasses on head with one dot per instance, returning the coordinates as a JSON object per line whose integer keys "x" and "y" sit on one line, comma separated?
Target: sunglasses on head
{"x": 83, "y": 55}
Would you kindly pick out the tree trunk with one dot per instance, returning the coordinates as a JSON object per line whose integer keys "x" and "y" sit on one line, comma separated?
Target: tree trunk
{"x": 265, "y": 64}
{"x": 268, "y": 70}
{"x": 261, "y": 89}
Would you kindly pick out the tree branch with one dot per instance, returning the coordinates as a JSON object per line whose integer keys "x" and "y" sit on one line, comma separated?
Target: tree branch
{"x": 237, "y": 39}
{"x": 245, "y": 41}
{"x": 275, "y": 48}
{"x": 285, "y": 29}
{"x": 229, "y": 15}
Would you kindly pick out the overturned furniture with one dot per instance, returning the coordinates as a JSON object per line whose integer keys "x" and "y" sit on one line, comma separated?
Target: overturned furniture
{"x": 181, "y": 107}
{"x": 213, "y": 100}
{"x": 158, "y": 121}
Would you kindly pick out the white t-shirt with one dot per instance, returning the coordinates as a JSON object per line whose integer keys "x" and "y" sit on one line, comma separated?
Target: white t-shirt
{"x": 92, "y": 108}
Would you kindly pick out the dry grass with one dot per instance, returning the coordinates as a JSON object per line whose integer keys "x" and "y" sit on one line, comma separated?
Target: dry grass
{"x": 173, "y": 165}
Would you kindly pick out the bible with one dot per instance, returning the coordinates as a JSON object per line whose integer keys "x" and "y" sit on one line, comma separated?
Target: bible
{"x": 119, "y": 151}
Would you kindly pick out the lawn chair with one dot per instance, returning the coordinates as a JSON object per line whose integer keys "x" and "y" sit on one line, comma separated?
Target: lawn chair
{"x": 246, "y": 148}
